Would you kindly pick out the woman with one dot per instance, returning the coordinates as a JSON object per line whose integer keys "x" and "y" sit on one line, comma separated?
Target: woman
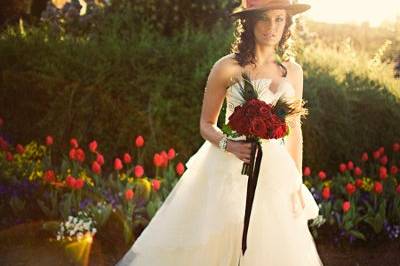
{"x": 201, "y": 221}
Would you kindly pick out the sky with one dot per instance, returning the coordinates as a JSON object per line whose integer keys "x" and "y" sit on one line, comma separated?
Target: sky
{"x": 356, "y": 11}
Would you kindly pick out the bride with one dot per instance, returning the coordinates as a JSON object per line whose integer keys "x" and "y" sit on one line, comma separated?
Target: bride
{"x": 201, "y": 220}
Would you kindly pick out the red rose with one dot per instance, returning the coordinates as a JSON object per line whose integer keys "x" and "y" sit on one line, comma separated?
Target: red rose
{"x": 350, "y": 188}
{"x": 265, "y": 110}
{"x": 49, "y": 176}
{"x": 342, "y": 167}
{"x": 326, "y": 192}
{"x": 307, "y": 171}
{"x": 155, "y": 184}
{"x": 118, "y": 164}
{"x": 382, "y": 172}
{"x": 49, "y": 141}
{"x": 258, "y": 127}
{"x": 180, "y": 168}
{"x": 359, "y": 182}
{"x": 93, "y": 146}
{"x": 322, "y": 175}
{"x": 127, "y": 158}
{"x": 250, "y": 110}
{"x": 171, "y": 154}
{"x": 74, "y": 143}
{"x": 96, "y": 168}
{"x": 378, "y": 188}
{"x": 100, "y": 159}
{"x": 139, "y": 171}
{"x": 346, "y": 206}
{"x": 129, "y": 194}
{"x": 139, "y": 142}
{"x": 364, "y": 157}
{"x": 280, "y": 132}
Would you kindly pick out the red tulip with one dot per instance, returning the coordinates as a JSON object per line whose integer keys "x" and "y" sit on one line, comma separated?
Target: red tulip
{"x": 381, "y": 150}
{"x": 139, "y": 171}
{"x": 357, "y": 171}
{"x": 359, "y": 182}
{"x": 72, "y": 154}
{"x": 96, "y": 167}
{"x": 342, "y": 167}
{"x": 49, "y": 140}
{"x": 71, "y": 181}
{"x": 9, "y": 156}
{"x": 378, "y": 188}
{"x": 326, "y": 192}
{"x": 164, "y": 155}
{"x": 118, "y": 164}
{"x": 139, "y": 142}
{"x": 382, "y": 172}
{"x": 156, "y": 184}
{"x": 80, "y": 155}
{"x": 350, "y": 188}
{"x": 376, "y": 154}
{"x": 398, "y": 189}
{"x": 157, "y": 160}
{"x": 100, "y": 159}
{"x": 364, "y": 157}
{"x": 394, "y": 169}
{"x": 346, "y": 206}
{"x": 49, "y": 176}
{"x": 20, "y": 149}
{"x": 129, "y": 194}
{"x": 74, "y": 143}
{"x": 384, "y": 160}
{"x": 3, "y": 144}
{"x": 307, "y": 171}
{"x": 93, "y": 146}
{"x": 171, "y": 154}
{"x": 396, "y": 147}
{"x": 350, "y": 165}
{"x": 79, "y": 183}
{"x": 127, "y": 158}
{"x": 322, "y": 175}
{"x": 180, "y": 168}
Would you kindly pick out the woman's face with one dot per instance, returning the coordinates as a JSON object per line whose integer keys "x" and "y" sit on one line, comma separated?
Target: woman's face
{"x": 269, "y": 27}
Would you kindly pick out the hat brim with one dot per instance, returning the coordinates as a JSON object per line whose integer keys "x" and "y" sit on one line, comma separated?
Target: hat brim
{"x": 293, "y": 9}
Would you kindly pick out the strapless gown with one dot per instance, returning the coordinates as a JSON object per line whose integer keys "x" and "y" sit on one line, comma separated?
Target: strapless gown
{"x": 201, "y": 221}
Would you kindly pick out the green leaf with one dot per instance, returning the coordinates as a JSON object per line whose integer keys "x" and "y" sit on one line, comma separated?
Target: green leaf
{"x": 357, "y": 234}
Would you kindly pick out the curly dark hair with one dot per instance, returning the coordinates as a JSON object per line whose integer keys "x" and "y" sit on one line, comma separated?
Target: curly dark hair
{"x": 244, "y": 44}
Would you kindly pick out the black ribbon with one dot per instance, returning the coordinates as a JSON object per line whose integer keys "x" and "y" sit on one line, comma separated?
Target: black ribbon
{"x": 252, "y": 173}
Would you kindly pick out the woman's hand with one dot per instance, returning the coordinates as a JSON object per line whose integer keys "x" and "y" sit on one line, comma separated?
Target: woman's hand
{"x": 240, "y": 149}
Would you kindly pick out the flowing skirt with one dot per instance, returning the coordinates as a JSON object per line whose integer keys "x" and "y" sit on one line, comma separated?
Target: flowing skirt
{"x": 201, "y": 220}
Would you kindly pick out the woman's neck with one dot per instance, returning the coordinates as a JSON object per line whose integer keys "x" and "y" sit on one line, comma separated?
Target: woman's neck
{"x": 264, "y": 55}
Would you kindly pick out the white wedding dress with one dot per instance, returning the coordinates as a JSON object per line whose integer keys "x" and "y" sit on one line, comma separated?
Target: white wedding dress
{"x": 201, "y": 221}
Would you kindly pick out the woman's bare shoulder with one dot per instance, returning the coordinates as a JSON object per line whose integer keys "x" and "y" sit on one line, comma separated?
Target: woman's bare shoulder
{"x": 226, "y": 69}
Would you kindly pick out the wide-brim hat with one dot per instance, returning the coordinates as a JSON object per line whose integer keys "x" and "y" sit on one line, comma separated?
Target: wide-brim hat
{"x": 249, "y": 6}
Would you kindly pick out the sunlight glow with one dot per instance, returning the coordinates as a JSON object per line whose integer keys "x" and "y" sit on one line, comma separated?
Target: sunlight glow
{"x": 353, "y": 11}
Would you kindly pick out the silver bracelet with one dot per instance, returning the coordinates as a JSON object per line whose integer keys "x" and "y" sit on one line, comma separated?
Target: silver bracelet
{"x": 223, "y": 142}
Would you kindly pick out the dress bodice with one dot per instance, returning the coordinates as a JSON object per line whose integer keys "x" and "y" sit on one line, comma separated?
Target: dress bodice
{"x": 262, "y": 86}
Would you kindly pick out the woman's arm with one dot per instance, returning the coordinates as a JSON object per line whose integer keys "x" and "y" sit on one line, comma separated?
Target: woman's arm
{"x": 294, "y": 141}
